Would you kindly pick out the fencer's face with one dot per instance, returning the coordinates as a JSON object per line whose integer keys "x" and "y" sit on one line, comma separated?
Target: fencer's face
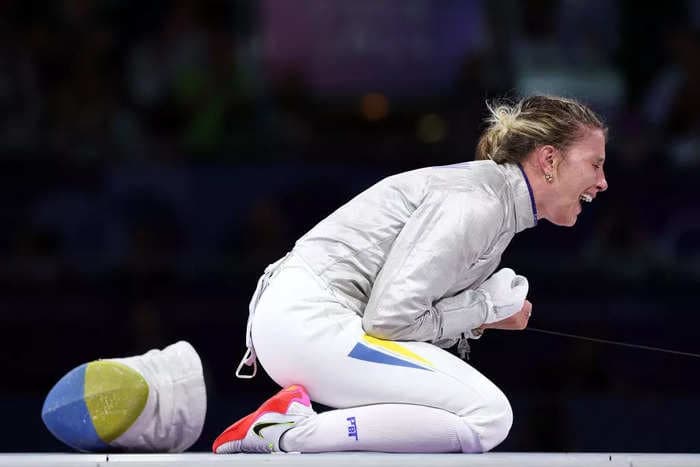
{"x": 578, "y": 177}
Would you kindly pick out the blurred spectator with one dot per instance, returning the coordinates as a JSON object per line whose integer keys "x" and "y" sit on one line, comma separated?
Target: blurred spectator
{"x": 563, "y": 48}
{"x": 20, "y": 99}
{"x": 261, "y": 238}
{"x": 673, "y": 98}
{"x": 33, "y": 259}
{"x": 621, "y": 248}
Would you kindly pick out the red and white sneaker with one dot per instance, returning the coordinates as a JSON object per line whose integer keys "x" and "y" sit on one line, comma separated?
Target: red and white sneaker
{"x": 261, "y": 431}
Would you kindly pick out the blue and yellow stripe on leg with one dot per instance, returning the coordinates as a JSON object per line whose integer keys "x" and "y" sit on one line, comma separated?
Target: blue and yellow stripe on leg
{"x": 387, "y": 352}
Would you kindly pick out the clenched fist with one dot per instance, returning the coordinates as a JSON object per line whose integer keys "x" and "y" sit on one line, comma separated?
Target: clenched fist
{"x": 507, "y": 292}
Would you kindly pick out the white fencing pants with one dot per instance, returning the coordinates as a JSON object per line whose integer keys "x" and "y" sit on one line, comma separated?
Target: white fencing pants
{"x": 394, "y": 396}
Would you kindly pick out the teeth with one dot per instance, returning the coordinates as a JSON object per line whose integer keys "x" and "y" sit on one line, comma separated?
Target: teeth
{"x": 586, "y": 197}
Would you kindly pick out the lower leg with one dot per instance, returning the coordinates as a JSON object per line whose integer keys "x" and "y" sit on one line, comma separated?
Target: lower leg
{"x": 383, "y": 427}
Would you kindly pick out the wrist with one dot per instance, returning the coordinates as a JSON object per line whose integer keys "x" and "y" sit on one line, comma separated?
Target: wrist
{"x": 487, "y": 307}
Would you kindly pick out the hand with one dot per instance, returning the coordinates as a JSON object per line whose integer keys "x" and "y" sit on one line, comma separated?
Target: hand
{"x": 516, "y": 322}
{"x": 507, "y": 292}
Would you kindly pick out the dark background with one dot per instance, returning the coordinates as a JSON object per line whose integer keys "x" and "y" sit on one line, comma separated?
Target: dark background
{"x": 155, "y": 156}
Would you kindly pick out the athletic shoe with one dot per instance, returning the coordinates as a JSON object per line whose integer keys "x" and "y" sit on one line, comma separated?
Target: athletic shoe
{"x": 261, "y": 430}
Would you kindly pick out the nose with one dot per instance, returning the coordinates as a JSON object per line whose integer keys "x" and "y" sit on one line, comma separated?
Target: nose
{"x": 602, "y": 182}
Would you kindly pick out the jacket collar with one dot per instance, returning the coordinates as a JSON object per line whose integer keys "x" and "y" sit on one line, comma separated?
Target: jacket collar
{"x": 523, "y": 199}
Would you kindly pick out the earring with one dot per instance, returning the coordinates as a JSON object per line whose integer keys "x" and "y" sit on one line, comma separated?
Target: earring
{"x": 548, "y": 178}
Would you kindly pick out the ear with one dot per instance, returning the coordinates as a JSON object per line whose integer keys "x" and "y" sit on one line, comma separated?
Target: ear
{"x": 547, "y": 158}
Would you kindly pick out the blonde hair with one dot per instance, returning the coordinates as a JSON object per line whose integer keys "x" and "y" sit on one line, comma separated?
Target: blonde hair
{"x": 515, "y": 130}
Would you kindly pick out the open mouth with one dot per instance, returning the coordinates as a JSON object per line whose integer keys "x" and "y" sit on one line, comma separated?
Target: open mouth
{"x": 586, "y": 197}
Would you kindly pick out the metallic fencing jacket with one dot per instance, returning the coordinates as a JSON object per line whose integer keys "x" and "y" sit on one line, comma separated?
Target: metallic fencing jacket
{"x": 409, "y": 253}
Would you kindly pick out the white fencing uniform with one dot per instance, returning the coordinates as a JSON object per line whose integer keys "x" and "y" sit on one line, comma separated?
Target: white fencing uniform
{"x": 359, "y": 311}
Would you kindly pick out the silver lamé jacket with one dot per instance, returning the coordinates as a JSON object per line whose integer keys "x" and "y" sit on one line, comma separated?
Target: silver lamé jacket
{"x": 409, "y": 253}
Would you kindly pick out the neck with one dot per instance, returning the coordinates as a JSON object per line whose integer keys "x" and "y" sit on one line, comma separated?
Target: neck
{"x": 531, "y": 196}
{"x": 538, "y": 185}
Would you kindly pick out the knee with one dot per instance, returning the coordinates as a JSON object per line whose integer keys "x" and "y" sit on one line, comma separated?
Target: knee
{"x": 493, "y": 421}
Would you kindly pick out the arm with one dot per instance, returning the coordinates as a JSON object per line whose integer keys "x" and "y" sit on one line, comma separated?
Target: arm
{"x": 446, "y": 234}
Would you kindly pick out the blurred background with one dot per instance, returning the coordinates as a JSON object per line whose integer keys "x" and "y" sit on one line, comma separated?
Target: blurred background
{"x": 155, "y": 156}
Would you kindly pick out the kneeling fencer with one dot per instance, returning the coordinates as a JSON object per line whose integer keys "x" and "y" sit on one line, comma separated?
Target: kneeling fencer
{"x": 358, "y": 314}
